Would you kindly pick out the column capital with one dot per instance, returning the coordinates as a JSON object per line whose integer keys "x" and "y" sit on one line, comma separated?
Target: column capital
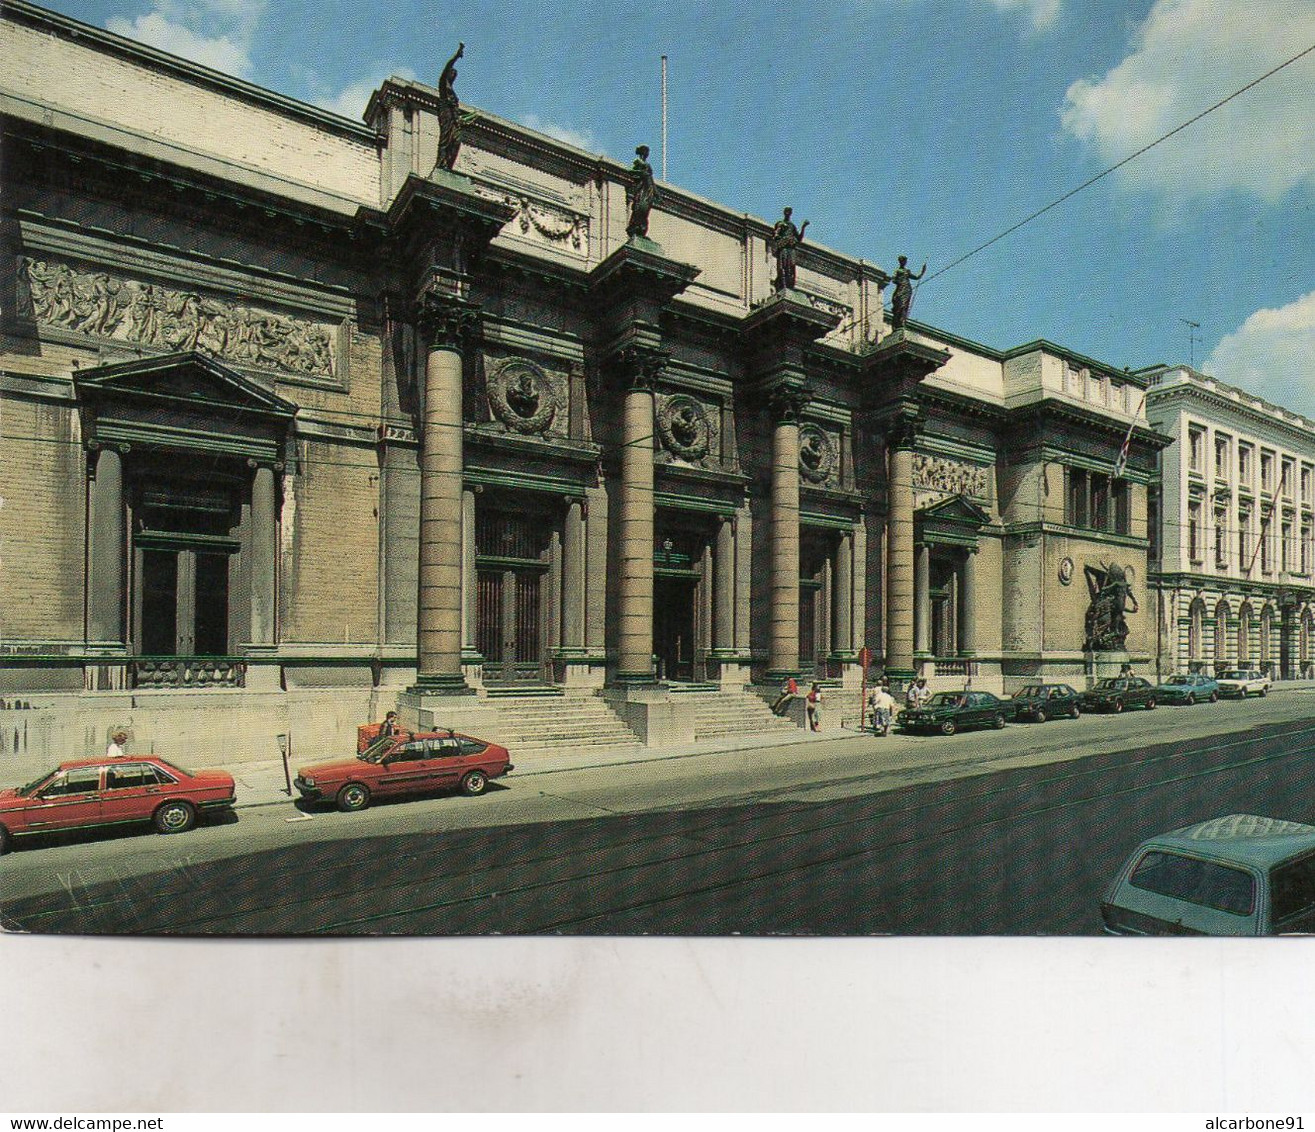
{"x": 786, "y": 402}
{"x": 447, "y": 322}
{"x": 639, "y": 367}
{"x": 904, "y": 429}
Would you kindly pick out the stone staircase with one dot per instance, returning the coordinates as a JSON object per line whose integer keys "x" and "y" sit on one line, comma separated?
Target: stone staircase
{"x": 553, "y": 723}
{"x": 718, "y": 714}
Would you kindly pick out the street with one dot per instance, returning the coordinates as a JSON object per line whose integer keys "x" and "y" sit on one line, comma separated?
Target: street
{"x": 1014, "y": 833}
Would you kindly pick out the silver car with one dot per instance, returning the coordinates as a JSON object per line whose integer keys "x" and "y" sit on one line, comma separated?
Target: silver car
{"x": 1236, "y": 875}
{"x": 1243, "y": 682}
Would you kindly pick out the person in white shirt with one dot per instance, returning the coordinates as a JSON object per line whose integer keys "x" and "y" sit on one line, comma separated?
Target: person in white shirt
{"x": 881, "y": 705}
{"x": 115, "y": 749}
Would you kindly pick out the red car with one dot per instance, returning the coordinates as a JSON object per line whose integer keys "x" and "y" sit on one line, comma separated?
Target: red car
{"x": 93, "y": 792}
{"x": 408, "y": 763}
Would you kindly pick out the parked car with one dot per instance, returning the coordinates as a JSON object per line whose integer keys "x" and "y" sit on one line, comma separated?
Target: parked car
{"x": 1236, "y": 875}
{"x": 1188, "y": 688}
{"x": 1045, "y": 701}
{"x": 1114, "y": 693}
{"x": 409, "y": 763}
{"x": 1243, "y": 682}
{"x": 948, "y": 712}
{"x": 103, "y": 792}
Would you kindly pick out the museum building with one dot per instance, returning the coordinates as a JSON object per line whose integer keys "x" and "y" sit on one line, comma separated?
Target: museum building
{"x": 1235, "y": 535}
{"x": 293, "y": 404}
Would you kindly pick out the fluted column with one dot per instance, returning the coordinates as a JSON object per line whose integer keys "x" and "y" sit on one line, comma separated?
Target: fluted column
{"x": 843, "y": 599}
{"x": 899, "y": 551}
{"x": 922, "y": 601}
{"x": 446, "y": 323}
{"x": 783, "y": 637}
{"x": 723, "y": 613}
{"x": 573, "y": 578}
{"x": 635, "y": 521}
{"x": 107, "y": 552}
{"x": 264, "y": 554}
{"x": 968, "y": 600}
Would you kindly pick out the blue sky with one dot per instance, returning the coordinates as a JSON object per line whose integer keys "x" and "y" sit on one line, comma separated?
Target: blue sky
{"x": 922, "y": 127}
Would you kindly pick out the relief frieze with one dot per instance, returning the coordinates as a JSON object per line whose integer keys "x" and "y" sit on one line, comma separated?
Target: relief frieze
{"x": 101, "y": 305}
{"x": 951, "y": 477}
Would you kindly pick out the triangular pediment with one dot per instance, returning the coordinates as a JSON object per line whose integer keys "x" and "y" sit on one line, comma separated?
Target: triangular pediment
{"x": 957, "y": 509}
{"x": 192, "y": 378}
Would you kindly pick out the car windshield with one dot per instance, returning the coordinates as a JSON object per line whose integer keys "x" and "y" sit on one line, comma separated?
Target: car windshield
{"x": 376, "y": 750}
{"x": 1179, "y": 680}
{"x": 946, "y": 699}
{"x": 1234, "y": 674}
{"x": 1030, "y": 690}
{"x": 25, "y": 790}
{"x": 176, "y": 768}
{"x": 1109, "y": 684}
{"x": 1198, "y": 882}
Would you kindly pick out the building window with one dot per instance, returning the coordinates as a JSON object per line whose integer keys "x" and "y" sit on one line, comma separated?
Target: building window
{"x": 1244, "y": 452}
{"x": 1267, "y": 548}
{"x": 1306, "y": 485}
{"x": 1195, "y": 448}
{"x": 1097, "y": 502}
{"x": 1244, "y": 636}
{"x": 1076, "y": 506}
{"x": 1122, "y": 508}
{"x": 1194, "y": 531}
{"x": 1266, "y": 471}
{"x": 1289, "y": 479}
{"x": 1285, "y": 550}
{"x": 1221, "y": 540}
{"x": 1305, "y": 547}
{"x": 1221, "y": 633}
{"x": 1244, "y": 546}
{"x": 1100, "y": 502}
{"x": 1153, "y": 528}
{"x": 1222, "y": 446}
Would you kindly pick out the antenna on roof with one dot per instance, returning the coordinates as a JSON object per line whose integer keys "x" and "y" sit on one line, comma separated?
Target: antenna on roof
{"x": 1192, "y": 339}
{"x": 664, "y": 117}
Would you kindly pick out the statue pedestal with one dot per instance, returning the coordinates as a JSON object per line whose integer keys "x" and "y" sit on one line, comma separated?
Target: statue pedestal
{"x": 1107, "y": 663}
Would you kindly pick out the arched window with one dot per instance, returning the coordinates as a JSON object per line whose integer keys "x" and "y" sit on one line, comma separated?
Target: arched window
{"x": 1195, "y": 631}
{"x": 1244, "y": 635}
{"x": 1221, "y": 633}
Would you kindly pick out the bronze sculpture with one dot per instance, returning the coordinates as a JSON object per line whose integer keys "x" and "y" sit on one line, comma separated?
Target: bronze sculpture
{"x": 1111, "y": 597}
{"x": 784, "y": 240}
{"x": 902, "y": 299}
{"x": 449, "y": 113}
{"x": 641, "y": 193}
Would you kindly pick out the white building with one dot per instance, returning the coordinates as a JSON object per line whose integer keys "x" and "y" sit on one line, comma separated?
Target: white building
{"x": 1235, "y": 538}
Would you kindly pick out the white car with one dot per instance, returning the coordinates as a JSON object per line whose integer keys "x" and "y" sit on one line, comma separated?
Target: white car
{"x": 1243, "y": 682}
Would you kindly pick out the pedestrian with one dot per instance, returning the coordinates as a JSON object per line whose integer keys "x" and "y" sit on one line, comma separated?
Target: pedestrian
{"x": 789, "y": 690}
{"x": 882, "y": 705}
{"x": 115, "y": 749}
{"x": 918, "y": 694}
{"x": 1126, "y": 669}
{"x": 389, "y": 726}
{"x": 815, "y": 708}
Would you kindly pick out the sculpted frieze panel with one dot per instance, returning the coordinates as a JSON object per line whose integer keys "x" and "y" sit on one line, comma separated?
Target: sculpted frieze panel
{"x": 525, "y": 397}
{"x": 819, "y": 455}
{"x": 935, "y": 474}
{"x": 107, "y": 306}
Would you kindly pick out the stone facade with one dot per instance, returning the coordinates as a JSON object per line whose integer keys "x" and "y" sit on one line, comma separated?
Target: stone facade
{"x": 288, "y": 408}
{"x": 1235, "y": 564}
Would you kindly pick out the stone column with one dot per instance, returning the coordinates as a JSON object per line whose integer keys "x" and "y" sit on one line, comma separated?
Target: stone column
{"x": 469, "y": 579}
{"x": 968, "y": 602}
{"x": 922, "y": 602}
{"x": 743, "y": 578}
{"x": 843, "y": 601}
{"x": 899, "y": 551}
{"x": 107, "y": 551}
{"x": 573, "y": 580}
{"x": 635, "y": 525}
{"x": 783, "y": 631}
{"x": 264, "y": 555}
{"x": 438, "y": 619}
{"x": 723, "y": 614}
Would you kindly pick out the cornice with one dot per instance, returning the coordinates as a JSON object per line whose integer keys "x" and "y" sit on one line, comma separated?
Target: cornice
{"x": 1187, "y": 392}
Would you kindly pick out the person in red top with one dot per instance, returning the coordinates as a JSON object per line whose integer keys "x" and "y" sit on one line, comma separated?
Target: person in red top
{"x": 789, "y": 690}
{"x": 815, "y": 708}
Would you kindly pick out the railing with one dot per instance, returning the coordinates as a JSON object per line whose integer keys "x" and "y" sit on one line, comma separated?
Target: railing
{"x": 953, "y": 667}
{"x": 188, "y": 672}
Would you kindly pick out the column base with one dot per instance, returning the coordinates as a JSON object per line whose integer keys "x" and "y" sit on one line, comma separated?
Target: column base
{"x": 441, "y": 684}
{"x": 633, "y": 680}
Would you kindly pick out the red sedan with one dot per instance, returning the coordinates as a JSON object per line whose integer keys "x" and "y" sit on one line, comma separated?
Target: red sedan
{"x": 95, "y": 792}
{"x": 408, "y": 763}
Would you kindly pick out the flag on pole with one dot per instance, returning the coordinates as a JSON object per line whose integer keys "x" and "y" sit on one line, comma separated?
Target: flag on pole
{"x": 1122, "y": 462}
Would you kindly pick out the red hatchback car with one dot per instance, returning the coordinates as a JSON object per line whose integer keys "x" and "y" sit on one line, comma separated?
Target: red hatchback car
{"x": 409, "y": 763}
{"x": 94, "y": 792}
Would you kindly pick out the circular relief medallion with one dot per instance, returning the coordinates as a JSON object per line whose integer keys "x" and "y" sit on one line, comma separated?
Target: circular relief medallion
{"x": 817, "y": 455}
{"x": 683, "y": 426}
{"x": 521, "y": 396}
{"x": 1065, "y": 571}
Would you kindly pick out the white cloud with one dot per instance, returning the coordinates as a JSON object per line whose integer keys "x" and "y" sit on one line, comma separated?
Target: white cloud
{"x": 350, "y": 101}
{"x": 1042, "y": 12}
{"x": 215, "y": 33}
{"x": 1187, "y": 55}
{"x": 1272, "y": 354}
{"x": 581, "y": 139}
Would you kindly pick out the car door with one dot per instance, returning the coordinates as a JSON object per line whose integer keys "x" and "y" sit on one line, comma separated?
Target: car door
{"x": 406, "y": 769}
{"x": 448, "y": 761}
{"x": 71, "y": 799}
{"x": 132, "y": 791}
{"x": 1292, "y": 898}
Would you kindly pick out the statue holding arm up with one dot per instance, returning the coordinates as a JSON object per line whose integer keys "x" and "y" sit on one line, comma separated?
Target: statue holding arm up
{"x": 902, "y": 299}
{"x": 785, "y": 239}
{"x": 449, "y": 113}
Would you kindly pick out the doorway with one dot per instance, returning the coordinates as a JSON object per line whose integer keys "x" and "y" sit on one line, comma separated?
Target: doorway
{"x": 512, "y": 558}
{"x": 673, "y": 627}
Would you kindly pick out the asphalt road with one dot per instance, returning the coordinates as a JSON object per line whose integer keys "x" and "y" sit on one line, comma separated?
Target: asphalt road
{"x": 1005, "y": 833}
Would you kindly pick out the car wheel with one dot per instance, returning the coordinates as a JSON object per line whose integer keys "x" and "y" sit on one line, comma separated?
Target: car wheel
{"x": 475, "y": 783}
{"x": 1116, "y": 706}
{"x": 352, "y": 797}
{"x": 999, "y": 721}
{"x": 1040, "y": 715}
{"x": 1214, "y": 697}
{"x": 1191, "y": 700}
{"x": 6, "y": 841}
{"x": 948, "y": 727}
{"x": 175, "y": 817}
{"x": 1263, "y": 692}
{"x": 1150, "y": 704}
{"x": 1075, "y": 711}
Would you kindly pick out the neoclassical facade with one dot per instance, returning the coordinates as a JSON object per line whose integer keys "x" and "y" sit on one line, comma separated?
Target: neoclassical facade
{"x": 1234, "y": 560}
{"x": 288, "y": 405}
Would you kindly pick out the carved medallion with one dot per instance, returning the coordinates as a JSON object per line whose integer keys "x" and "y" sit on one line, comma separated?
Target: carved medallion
{"x": 817, "y": 454}
{"x": 521, "y": 396}
{"x": 1065, "y": 571}
{"x": 683, "y": 427}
